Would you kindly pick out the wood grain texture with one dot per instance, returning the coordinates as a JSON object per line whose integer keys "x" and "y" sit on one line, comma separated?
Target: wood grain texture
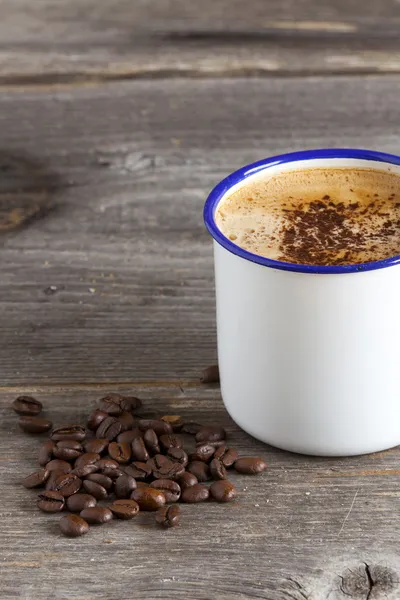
{"x": 115, "y": 283}
{"x": 308, "y": 528}
{"x": 49, "y": 40}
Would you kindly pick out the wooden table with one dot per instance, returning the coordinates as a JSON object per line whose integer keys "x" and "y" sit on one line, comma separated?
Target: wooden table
{"x": 116, "y": 120}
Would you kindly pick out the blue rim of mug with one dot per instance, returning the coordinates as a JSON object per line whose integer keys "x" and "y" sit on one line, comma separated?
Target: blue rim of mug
{"x": 241, "y": 174}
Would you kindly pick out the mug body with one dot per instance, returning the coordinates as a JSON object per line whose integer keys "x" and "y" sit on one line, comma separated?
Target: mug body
{"x": 308, "y": 355}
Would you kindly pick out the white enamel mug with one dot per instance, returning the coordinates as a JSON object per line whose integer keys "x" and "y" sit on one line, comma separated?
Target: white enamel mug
{"x": 308, "y": 355}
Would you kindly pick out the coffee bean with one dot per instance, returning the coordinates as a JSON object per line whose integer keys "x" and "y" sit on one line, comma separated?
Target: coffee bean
{"x": 165, "y": 468}
{"x": 59, "y": 465}
{"x": 132, "y": 403}
{"x": 50, "y": 501}
{"x": 95, "y": 446}
{"x": 169, "y": 488}
{"x": 139, "y": 451}
{"x": 203, "y": 452}
{"x": 95, "y": 489}
{"x": 101, "y": 479}
{"x": 107, "y": 463}
{"x": 34, "y": 424}
{"x": 109, "y": 428}
{"x": 97, "y": 515}
{"x": 212, "y": 433}
{"x": 191, "y": 427}
{"x": 129, "y": 436}
{"x": 175, "y": 421}
{"x": 228, "y": 456}
{"x": 200, "y": 470}
{"x": 89, "y": 458}
{"x": 95, "y": 418}
{"x": 160, "y": 427}
{"x": 85, "y": 470}
{"x": 67, "y": 484}
{"x": 170, "y": 441}
{"x": 50, "y": 483}
{"x": 217, "y": 469}
{"x": 150, "y": 439}
{"x": 210, "y": 374}
{"x": 168, "y": 516}
{"x": 138, "y": 470}
{"x": 223, "y": 491}
{"x": 79, "y": 502}
{"x": 148, "y": 498}
{"x": 73, "y": 526}
{"x": 26, "y": 405}
{"x": 68, "y": 450}
{"x": 124, "y": 486}
{"x": 111, "y": 404}
{"x": 187, "y": 480}
{"x": 112, "y": 473}
{"x": 121, "y": 453}
{"x": 178, "y": 455}
{"x": 126, "y": 419}
{"x": 46, "y": 452}
{"x": 195, "y": 493}
{"x": 250, "y": 465}
{"x": 124, "y": 509}
{"x": 216, "y": 444}
{"x": 69, "y": 432}
{"x": 36, "y": 479}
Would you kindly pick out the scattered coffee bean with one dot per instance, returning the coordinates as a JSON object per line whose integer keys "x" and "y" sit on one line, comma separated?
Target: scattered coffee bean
{"x": 59, "y": 465}
{"x": 148, "y": 498}
{"x": 107, "y": 463}
{"x": 68, "y": 450}
{"x": 216, "y": 444}
{"x": 79, "y": 502}
{"x": 109, "y": 428}
{"x": 85, "y": 470}
{"x": 138, "y": 470}
{"x": 70, "y": 432}
{"x": 46, "y": 452}
{"x": 124, "y": 486}
{"x": 26, "y": 405}
{"x": 203, "y": 452}
{"x": 223, "y": 491}
{"x": 168, "y": 516}
{"x": 179, "y": 455}
{"x": 191, "y": 427}
{"x": 187, "y": 480}
{"x": 210, "y": 374}
{"x": 217, "y": 469}
{"x": 126, "y": 419}
{"x": 250, "y": 465}
{"x": 150, "y": 439}
{"x": 139, "y": 451}
{"x": 89, "y": 458}
{"x": 120, "y": 452}
{"x": 170, "y": 441}
{"x": 132, "y": 403}
{"x": 97, "y": 515}
{"x": 67, "y": 484}
{"x": 50, "y": 501}
{"x": 175, "y": 421}
{"x": 228, "y": 456}
{"x": 195, "y": 493}
{"x": 112, "y": 473}
{"x": 169, "y": 488}
{"x": 50, "y": 483}
{"x": 160, "y": 427}
{"x": 95, "y": 489}
{"x": 95, "y": 419}
{"x": 36, "y": 479}
{"x": 212, "y": 433}
{"x": 165, "y": 468}
{"x": 101, "y": 479}
{"x": 97, "y": 446}
{"x": 124, "y": 509}
{"x": 112, "y": 404}
{"x": 129, "y": 436}
{"x": 200, "y": 469}
{"x": 34, "y": 424}
{"x": 73, "y": 526}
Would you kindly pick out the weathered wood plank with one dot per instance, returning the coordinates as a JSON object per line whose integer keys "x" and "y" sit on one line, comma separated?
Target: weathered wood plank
{"x": 295, "y": 531}
{"x": 124, "y": 246}
{"x": 46, "y": 40}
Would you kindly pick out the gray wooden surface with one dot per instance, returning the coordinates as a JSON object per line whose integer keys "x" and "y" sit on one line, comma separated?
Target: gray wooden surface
{"x": 107, "y": 278}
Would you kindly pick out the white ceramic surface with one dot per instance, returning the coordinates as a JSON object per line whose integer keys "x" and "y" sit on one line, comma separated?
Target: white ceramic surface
{"x": 308, "y": 357}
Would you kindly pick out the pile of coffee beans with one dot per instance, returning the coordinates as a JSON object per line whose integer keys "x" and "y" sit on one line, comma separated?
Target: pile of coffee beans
{"x": 128, "y": 463}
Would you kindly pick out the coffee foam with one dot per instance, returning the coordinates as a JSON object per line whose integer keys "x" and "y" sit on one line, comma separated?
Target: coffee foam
{"x": 316, "y": 216}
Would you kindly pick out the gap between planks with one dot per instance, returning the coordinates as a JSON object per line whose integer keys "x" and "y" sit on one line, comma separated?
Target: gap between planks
{"x": 121, "y": 385}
